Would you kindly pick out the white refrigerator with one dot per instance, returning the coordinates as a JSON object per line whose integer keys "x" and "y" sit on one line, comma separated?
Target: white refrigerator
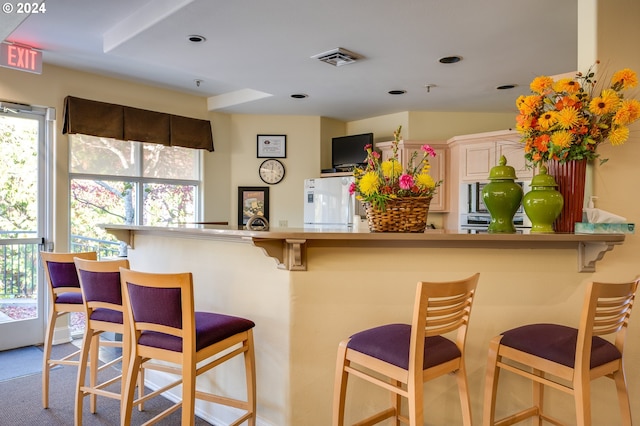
{"x": 327, "y": 202}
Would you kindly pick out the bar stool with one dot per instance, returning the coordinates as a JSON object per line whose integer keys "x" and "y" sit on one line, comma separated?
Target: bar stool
{"x": 101, "y": 290}
{"x": 545, "y": 353}
{"x": 401, "y": 357}
{"x": 159, "y": 310}
{"x": 64, "y": 297}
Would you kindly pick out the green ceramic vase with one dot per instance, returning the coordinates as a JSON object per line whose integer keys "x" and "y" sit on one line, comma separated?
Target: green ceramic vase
{"x": 502, "y": 196}
{"x": 543, "y": 203}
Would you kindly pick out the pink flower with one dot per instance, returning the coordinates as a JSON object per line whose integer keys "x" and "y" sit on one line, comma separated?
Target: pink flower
{"x": 375, "y": 154}
{"x": 352, "y": 188}
{"x": 406, "y": 181}
{"x": 428, "y": 150}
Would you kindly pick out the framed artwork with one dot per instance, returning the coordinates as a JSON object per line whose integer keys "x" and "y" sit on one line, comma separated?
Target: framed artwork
{"x": 272, "y": 146}
{"x": 252, "y": 200}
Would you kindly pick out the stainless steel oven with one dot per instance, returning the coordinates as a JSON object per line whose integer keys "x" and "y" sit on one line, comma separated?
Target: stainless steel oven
{"x": 477, "y": 218}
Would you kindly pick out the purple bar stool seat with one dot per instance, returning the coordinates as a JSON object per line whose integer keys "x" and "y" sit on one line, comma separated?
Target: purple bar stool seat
{"x": 566, "y": 358}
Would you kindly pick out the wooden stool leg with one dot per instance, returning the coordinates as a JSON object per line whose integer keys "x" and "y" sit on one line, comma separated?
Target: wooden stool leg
{"x": 623, "y": 397}
{"x": 463, "y": 390}
{"x": 538, "y": 396}
{"x": 94, "y": 350}
{"x": 582, "y": 397}
{"x": 415, "y": 401}
{"x": 48, "y": 341}
{"x": 340, "y": 385}
{"x": 82, "y": 373}
{"x": 396, "y": 403}
{"x": 188, "y": 393}
{"x": 129, "y": 390}
{"x": 491, "y": 383}
{"x": 250, "y": 372}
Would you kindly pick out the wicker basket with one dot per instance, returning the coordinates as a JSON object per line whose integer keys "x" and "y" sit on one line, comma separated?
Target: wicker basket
{"x": 407, "y": 214}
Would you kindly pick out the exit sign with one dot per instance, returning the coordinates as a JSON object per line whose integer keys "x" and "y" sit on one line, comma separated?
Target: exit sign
{"x": 20, "y": 57}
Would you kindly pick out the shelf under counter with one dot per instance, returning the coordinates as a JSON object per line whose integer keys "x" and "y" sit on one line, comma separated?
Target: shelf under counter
{"x": 288, "y": 246}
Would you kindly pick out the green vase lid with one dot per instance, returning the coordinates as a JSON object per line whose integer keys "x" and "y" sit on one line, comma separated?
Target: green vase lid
{"x": 502, "y": 171}
{"x": 543, "y": 179}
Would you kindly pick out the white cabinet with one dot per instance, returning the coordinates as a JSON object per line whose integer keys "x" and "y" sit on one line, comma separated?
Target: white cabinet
{"x": 438, "y": 165}
{"x": 479, "y": 155}
{"x": 471, "y": 158}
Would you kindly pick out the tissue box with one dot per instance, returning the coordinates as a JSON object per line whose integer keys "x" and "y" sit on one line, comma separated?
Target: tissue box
{"x": 604, "y": 228}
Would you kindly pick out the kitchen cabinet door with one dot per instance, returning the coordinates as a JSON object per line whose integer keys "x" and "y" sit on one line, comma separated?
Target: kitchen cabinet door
{"x": 479, "y": 158}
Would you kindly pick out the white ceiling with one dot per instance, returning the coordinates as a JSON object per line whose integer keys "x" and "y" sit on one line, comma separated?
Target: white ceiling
{"x": 257, "y": 46}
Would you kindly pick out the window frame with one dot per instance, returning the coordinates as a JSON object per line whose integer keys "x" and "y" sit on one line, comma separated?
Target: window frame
{"x": 139, "y": 182}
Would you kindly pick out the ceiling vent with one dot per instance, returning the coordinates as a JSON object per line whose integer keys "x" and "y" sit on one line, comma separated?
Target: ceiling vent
{"x": 338, "y": 57}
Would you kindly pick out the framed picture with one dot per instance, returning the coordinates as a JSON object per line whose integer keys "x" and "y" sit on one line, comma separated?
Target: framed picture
{"x": 272, "y": 146}
{"x": 252, "y": 200}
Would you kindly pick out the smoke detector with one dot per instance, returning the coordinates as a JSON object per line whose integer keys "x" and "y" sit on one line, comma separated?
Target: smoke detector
{"x": 338, "y": 57}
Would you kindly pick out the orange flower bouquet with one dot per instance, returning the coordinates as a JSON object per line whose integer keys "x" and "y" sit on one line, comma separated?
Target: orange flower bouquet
{"x": 567, "y": 119}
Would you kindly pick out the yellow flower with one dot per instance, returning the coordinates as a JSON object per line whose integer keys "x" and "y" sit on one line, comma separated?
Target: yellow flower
{"x": 628, "y": 113}
{"x": 548, "y": 119}
{"x": 561, "y": 139}
{"x": 369, "y": 184}
{"x": 619, "y": 135}
{"x": 425, "y": 181}
{"x": 627, "y": 78}
{"x": 541, "y": 84}
{"x": 605, "y": 103}
{"x": 528, "y": 104}
{"x": 567, "y": 85}
{"x": 568, "y": 117}
{"x": 391, "y": 168}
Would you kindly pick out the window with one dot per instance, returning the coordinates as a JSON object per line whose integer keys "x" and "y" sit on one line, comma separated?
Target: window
{"x": 125, "y": 182}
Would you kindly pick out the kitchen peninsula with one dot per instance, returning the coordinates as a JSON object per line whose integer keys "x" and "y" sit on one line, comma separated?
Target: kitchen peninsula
{"x": 306, "y": 290}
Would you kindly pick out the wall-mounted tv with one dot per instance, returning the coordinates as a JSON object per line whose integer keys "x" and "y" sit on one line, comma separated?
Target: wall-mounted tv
{"x": 348, "y": 151}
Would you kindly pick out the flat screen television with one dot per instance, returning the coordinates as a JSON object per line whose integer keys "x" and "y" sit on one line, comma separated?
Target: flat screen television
{"x": 348, "y": 151}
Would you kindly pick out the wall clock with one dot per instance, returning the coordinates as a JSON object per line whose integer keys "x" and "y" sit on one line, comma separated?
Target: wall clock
{"x": 271, "y": 171}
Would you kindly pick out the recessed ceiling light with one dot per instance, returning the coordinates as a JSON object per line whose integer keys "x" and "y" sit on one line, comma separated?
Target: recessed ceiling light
{"x": 397, "y": 92}
{"x": 299, "y": 96}
{"x": 195, "y": 38}
{"x": 506, "y": 86}
{"x": 450, "y": 59}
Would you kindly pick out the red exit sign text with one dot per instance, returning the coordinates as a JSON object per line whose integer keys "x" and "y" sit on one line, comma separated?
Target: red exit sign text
{"x": 20, "y": 58}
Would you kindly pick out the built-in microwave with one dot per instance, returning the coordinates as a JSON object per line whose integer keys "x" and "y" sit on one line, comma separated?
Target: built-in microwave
{"x": 477, "y": 217}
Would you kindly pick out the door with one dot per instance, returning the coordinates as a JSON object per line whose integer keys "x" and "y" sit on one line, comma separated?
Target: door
{"x": 23, "y": 199}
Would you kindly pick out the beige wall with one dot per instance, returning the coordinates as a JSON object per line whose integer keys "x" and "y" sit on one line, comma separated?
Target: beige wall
{"x": 303, "y": 161}
{"x": 616, "y": 182}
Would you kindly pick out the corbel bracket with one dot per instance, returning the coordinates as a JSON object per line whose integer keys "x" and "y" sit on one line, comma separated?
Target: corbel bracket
{"x": 124, "y": 235}
{"x": 591, "y": 252}
{"x": 290, "y": 254}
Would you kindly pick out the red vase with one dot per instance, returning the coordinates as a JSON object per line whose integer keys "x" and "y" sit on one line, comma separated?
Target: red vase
{"x": 570, "y": 178}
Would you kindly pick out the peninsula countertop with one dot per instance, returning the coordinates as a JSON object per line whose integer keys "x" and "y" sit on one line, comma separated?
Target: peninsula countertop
{"x": 289, "y": 245}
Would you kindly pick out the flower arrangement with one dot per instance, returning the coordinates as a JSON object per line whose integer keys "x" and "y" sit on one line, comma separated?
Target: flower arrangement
{"x": 381, "y": 181}
{"x": 567, "y": 119}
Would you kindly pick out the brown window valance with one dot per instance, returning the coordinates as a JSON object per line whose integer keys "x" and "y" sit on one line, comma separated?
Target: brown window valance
{"x": 133, "y": 124}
